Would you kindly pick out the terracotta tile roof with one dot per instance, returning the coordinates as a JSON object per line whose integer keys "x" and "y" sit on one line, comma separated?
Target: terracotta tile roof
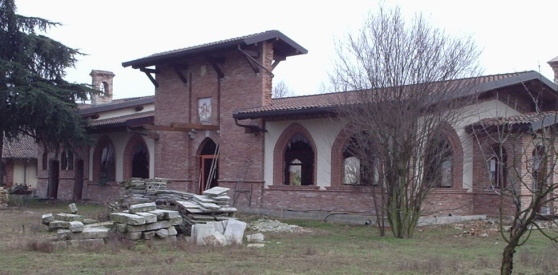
{"x": 288, "y": 47}
{"x": 523, "y": 119}
{"x": 22, "y": 148}
{"x": 120, "y": 119}
{"x": 115, "y": 104}
{"x": 328, "y": 102}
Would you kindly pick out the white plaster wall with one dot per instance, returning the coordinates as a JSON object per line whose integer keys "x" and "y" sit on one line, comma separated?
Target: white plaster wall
{"x": 120, "y": 140}
{"x": 323, "y": 132}
{"x": 25, "y": 172}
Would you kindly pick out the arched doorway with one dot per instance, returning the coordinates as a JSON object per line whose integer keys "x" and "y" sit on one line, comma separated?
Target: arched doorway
{"x": 299, "y": 161}
{"x": 209, "y": 166}
{"x": 53, "y": 178}
{"x": 140, "y": 161}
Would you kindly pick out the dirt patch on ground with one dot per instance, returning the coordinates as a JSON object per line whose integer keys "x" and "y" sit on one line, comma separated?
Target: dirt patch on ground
{"x": 275, "y": 226}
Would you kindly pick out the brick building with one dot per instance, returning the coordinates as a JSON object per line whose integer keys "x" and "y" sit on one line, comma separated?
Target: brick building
{"x": 212, "y": 122}
{"x": 19, "y": 157}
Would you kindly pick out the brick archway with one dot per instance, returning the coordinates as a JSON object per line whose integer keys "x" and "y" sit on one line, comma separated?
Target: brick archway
{"x": 279, "y": 152}
{"x": 129, "y": 151}
{"x": 337, "y": 156}
{"x": 447, "y": 131}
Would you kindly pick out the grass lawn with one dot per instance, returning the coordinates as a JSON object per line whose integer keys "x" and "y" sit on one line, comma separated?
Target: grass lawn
{"x": 325, "y": 248}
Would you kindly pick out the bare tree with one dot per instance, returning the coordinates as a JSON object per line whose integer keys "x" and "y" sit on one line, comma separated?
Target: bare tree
{"x": 522, "y": 164}
{"x": 403, "y": 92}
{"x": 282, "y": 90}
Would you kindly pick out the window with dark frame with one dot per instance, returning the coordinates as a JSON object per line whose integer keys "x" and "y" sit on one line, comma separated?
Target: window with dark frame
{"x": 439, "y": 163}
{"x": 497, "y": 171}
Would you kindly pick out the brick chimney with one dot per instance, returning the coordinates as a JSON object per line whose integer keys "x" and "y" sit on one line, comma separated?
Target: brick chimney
{"x": 554, "y": 65}
{"x": 102, "y": 81}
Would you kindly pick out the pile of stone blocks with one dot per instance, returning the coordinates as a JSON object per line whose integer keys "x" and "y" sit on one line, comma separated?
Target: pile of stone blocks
{"x": 73, "y": 229}
{"x": 145, "y": 221}
{"x": 212, "y": 205}
{"x": 137, "y": 191}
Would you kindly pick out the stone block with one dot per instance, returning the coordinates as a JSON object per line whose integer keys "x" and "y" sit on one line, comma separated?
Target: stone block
{"x": 171, "y": 214}
{"x": 89, "y": 221}
{"x": 126, "y": 218}
{"x": 73, "y": 208}
{"x": 162, "y": 233}
{"x": 219, "y": 226}
{"x": 176, "y": 221}
{"x": 234, "y": 232}
{"x": 47, "y": 218}
{"x": 92, "y": 233}
{"x": 133, "y": 235}
{"x": 148, "y": 235}
{"x": 63, "y": 234}
{"x": 255, "y": 245}
{"x": 142, "y": 207}
{"x": 147, "y": 227}
{"x": 108, "y": 224}
{"x": 217, "y": 239}
{"x": 149, "y": 217}
{"x": 201, "y": 231}
{"x": 216, "y": 191}
{"x": 172, "y": 231}
{"x": 76, "y": 226}
{"x": 121, "y": 228}
{"x": 68, "y": 217}
{"x": 56, "y": 224}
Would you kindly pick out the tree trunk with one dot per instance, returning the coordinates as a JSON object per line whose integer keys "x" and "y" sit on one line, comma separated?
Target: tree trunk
{"x": 507, "y": 259}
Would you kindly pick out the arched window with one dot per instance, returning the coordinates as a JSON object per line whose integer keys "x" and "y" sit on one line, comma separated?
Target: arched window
{"x": 359, "y": 161}
{"x": 67, "y": 160}
{"x": 497, "y": 167}
{"x": 107, "y": 162}
{"x": 439, "y": 163}
{"x": 45, "y": 160}
{"x": 104, "y": 161}
{"x": 140, "y": 162}
{"x": 136, "y": 158}
{"x": 299, "y": 161}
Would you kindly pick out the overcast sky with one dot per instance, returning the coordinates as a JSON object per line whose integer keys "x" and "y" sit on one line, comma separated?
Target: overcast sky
{"x": 514, "y": 35}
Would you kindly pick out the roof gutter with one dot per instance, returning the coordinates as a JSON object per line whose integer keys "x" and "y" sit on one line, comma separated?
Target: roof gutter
{"x": 251, "y": 129}
{"x": 283, "y": 113}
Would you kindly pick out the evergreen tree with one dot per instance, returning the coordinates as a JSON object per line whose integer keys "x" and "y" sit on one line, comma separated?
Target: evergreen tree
{"x": 35, "y": 100}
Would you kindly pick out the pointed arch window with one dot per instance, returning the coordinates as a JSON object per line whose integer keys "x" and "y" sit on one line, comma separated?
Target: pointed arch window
{"x": 104, "y": 161}
{"x": 497, "y": 167}
{"x": 299, "y": 161}
{"x": 439, "y": 163}
{"x": 107, "y": 162}
{"x": 67, "y": 160}
{"x": 45, "y": 161}
{"x": 359, "y": 161}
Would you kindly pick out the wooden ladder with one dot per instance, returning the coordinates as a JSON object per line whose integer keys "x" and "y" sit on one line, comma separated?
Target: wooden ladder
{"x": 241, "y": 187}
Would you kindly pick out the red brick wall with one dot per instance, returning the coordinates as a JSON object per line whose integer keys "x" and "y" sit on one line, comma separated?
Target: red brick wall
{"x": 177, "y": 153}
{"x": 9, "y": 173}
{"x": 355, "y": 199}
